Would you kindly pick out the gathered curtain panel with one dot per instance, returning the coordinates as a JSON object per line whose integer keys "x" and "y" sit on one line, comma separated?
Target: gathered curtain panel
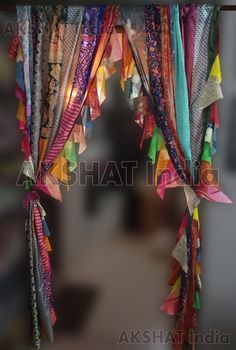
{"x": 170, "y": 63}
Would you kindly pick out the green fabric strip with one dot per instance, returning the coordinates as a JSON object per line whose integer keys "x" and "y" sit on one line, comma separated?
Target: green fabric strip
{"x": 69, "y": 153}
{"x": 155, "y": 145}
{"x": 196, "y": 304}
{"x": 206, "y": 156}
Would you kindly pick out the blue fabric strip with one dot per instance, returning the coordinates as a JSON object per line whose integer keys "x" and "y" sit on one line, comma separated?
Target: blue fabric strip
{"x": 181, "y": 90}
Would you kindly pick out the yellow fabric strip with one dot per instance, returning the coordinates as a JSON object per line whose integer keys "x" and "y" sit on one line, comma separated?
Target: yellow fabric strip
{"x": 177, "y": 285}
{"x": 198, "y": 268}
{"x": 101, "y": 86}
{"x": 48, "y": 245}
{"x": 196, "y": 215}
{"x": 162, "y": 163}
{"x": 216, "y": 70}
{"x": 21, "y": 113}
{"x": 60, "y": 169}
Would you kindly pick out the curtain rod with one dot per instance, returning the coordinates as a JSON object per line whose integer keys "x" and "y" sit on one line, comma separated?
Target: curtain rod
{"x": 13, "y": 7}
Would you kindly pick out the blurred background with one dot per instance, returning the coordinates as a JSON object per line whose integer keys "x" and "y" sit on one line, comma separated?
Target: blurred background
{"x": 112, "y": 245}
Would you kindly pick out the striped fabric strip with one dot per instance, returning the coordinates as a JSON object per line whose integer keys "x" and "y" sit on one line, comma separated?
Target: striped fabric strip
{"x": 41, "y": 240}
{"x": 43, "y": 305}
{"x": 44, "y": 257}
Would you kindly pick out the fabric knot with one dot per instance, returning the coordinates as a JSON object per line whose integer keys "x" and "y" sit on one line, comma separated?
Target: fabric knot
{"x": 30, "y": 196}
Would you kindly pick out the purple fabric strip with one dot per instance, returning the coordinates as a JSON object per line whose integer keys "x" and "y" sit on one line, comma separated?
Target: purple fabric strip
{"x": 188, "y": 17}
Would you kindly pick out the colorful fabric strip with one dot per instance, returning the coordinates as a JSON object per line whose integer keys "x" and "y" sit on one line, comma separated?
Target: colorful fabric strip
{"x": 181, "y": 92}
{"x": 153, "y": 36}
{"x": 84, "y": 69}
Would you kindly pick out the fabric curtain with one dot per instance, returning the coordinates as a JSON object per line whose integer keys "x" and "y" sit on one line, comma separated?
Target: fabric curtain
{"x": 59, "y": 52}
{"x": 171, "y": 69}
{"x": 175, "y": 78}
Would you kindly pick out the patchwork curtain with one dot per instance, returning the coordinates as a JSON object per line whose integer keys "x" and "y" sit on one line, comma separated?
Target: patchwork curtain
{"x": 171, "y": 70}
{"x": 59, "y": 51}
{"x": 176, "y": 52}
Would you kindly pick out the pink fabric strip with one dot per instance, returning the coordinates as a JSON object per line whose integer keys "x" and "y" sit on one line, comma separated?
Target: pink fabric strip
{"x": 41, "y": 240}
{"x": 212, "y": 193}
{"x": 168, "y": 179}
{"x": 46, "y": 267}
